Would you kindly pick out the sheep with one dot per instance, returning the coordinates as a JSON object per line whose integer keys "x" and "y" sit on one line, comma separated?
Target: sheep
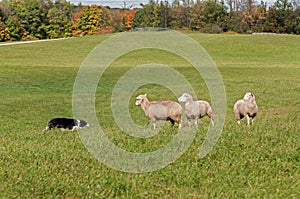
{"x": 160, "y": 110}
{"x": 196, "y": 109}
{"x": 245, "y": 107}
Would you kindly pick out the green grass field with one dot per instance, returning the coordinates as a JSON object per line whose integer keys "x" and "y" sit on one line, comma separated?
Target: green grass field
{"x": 261, "y": 161}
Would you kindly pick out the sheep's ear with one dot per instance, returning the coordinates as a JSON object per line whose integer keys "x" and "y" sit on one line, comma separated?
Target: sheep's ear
{"x": 145, "y": 94}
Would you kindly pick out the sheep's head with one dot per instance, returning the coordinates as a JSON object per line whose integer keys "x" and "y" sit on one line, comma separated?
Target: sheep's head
{"x": 248, "y": 96}
{"x": 185, "y": 97}
{"x": 139, "y": 99}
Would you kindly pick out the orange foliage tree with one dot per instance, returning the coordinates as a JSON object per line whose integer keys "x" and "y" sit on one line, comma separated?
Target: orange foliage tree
{"x": 122, "y": 19}
{"x": 129, "y": 18}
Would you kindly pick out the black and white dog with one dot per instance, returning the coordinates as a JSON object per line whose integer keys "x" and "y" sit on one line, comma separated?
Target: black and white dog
{"x": 66, "y": 124}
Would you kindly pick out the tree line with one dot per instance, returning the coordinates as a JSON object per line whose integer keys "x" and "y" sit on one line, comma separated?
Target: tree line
{"x": 212, "y": 16}
{"x": 42, "y": 19}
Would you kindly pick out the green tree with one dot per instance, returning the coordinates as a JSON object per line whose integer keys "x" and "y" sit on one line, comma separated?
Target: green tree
{"x": 55, "y": 28}
{"x": 59, "y": 20}
{"x": 165, "y": 14}
{"x": 5, "y": 10}
{"x": 296, "y": 21}
{"x": 207, "y": 16}
{"x": 148, "y": 16}
{"x": 17, "y": 32}
{"x": 30, "y": 16}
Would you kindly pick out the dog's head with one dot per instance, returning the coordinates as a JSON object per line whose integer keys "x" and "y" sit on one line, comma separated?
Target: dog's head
{"x": 83, "y": 124}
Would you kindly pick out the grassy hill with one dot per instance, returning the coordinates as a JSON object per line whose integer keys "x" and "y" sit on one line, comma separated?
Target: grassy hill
{"x": 261, "y": 161}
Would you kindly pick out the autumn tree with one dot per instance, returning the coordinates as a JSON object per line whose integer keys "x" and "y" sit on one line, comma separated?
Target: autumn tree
{"x": 41, "y": 19}
{"x": 281, "y": 15}
{"x": 181, "y": 16}
{"x": 106, "y": 19}
{"x": 129, "y": 18}
{"x": 122, "y": 19}
{"x": 4, "y": 32}
{"x": 91, "y": 19}
{"x": 88, "y": 20}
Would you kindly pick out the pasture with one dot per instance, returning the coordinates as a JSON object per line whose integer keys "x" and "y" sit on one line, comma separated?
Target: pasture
{"x": 261, "y": 161}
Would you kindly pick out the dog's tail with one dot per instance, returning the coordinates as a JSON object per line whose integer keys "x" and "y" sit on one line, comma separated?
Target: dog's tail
{"x": 46, "y": 129}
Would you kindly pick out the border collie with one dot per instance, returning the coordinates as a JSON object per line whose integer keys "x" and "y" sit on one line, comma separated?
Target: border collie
{"x": 66, "y": 124}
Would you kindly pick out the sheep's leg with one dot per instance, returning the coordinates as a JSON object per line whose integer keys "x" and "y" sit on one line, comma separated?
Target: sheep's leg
{"x": 154, "y": 123}
{"x": 179, "y": 124}
{"x": 212, "y": 122}
{"x": 178, "y": 120}
{"x": 248, "y": 120}
{"x": 172, "y": 122}
{"x": 210, "y": 115}
{"x": 252, "y": 121}
{"x": 196, "y": 122}
{"x": 189, "y": 122}
{"x": 238, "y": 117}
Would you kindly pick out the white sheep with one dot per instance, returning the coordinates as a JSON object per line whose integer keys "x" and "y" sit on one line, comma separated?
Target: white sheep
{"x": 245, "y": 107}
{"x": 196, "y": 109}
{"x": 160, "y": 110}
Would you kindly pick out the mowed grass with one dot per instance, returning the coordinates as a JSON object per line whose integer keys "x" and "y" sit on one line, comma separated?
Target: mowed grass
{"x": 261, "y": 161}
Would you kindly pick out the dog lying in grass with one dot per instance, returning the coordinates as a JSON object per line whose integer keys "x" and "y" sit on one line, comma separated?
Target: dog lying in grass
{"x": 66, "y": 124}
